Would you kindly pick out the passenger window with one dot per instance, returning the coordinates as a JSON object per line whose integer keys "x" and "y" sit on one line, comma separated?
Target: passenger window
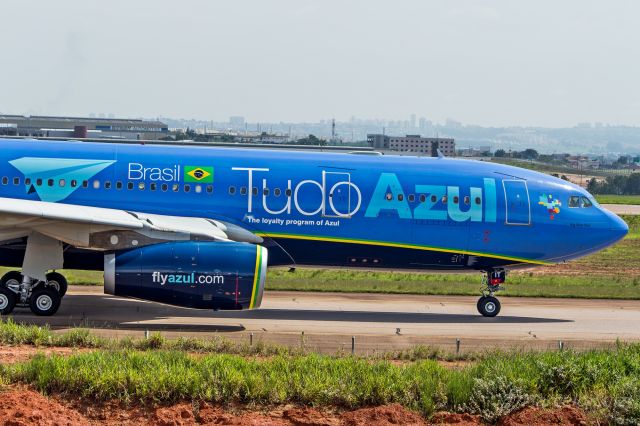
{"x": 85, "y": 184}
{"x": 277, "y": 192}
{"x": 141, "y": 186}
{"x": 153, "y": 186}
{"x": 586, "y": 202}
{"x": 254, "y": 191}
{"x": 467, "y": 200}
{"x": 434, "y": 198}
{"x": 412, "y": 198}
{"x": 243, "y": 190}
{"x": 96, "y": 184}
{"x": 444, "y": 199}
{"x": 198, "y": 189}
{"x": 478, "y": 200}
{"x": 288, "y": 192}
{"x": 423, "y": 198}
{"x": 187, "y": 188}
{"x": 39, "y": 182}
{"x": 5, "y": 180}
{"x": 574, "y": 201}
{"x": 400, "y": 197}
{"x": 232, "y": 190}
{"x": 74, "y": 183}
{"x": 16, "y": 181}
{"x": 27, "y": 181}
{"x": 209, "y": 189}
{"x": 389, "y": 196}
{"x": 175, "y": 187}
{"x": 107, "y": 185}
{"x": 118, "y": 185}
{"x": 164, "y": 187}
{"x": 129, "y": 186}
{"x": 265, "y": 192}
{"x": 455, "y": 199}
{"x": 50, "y": 182}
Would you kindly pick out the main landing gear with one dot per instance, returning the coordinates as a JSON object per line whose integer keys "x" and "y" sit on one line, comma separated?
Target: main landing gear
{"x": 42, "y": 298}
{"x": 488, "y": 305}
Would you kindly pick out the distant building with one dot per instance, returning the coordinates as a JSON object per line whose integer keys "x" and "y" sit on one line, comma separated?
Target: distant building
{"x": 245, "y": 137}
{"x": 413, "y": 144}
{"x": 81, "y": 127}
{"x": 236, "y": 122}
{"x": 582, "y": 162}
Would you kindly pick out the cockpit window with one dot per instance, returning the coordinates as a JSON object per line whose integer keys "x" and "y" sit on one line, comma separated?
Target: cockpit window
{"x": 574, "y": 201}
{"x": 586, "y": 202}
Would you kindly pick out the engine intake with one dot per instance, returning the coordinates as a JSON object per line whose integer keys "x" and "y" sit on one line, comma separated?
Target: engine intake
{"x": 203, "y": 275}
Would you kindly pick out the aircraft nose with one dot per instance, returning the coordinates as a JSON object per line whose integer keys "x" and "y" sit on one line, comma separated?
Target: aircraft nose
{"x": 618, "y": 226}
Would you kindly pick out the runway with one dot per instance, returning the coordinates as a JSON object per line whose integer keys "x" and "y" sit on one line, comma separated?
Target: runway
{"x": 378, "y": 322}
{"x": 627, "y": 209}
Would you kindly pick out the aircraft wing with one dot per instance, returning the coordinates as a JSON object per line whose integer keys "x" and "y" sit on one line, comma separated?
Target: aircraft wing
{"x": 109, "y": 229}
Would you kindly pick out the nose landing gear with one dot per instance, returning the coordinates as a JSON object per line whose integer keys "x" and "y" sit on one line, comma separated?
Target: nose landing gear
{"x": 488, "y": 305}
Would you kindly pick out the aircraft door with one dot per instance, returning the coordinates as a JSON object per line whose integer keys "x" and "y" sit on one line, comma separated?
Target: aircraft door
{"x": 340, "y": 196}
{"x": 518, "y": 206}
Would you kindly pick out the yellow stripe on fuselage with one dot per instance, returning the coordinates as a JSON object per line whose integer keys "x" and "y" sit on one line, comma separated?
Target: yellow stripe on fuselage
{"x": 399, "y": 245}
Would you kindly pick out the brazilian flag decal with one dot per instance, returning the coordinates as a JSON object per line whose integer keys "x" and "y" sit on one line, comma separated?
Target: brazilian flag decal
{"x": 198, "y": 174}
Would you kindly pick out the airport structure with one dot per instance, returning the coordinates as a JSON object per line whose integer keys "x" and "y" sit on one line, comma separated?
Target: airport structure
{"x": 79, "y": 127}
{"x": 414, "y": 144}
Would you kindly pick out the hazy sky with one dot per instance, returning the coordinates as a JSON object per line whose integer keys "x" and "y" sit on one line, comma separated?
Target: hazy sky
{"x": 549, "y": 63}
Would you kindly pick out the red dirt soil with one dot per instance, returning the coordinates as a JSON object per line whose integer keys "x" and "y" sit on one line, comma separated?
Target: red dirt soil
{"x": 21, "y": 406}
{"x": 531, "y": 416}
{"x": 13, "y": 354}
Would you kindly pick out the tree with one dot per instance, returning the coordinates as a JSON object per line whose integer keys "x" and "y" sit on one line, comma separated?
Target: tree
{"x": 632, "y": 186}
{"x": 530, "y": 154}
{"x": 311, "y": 140}
{"x": 500, "y": 153}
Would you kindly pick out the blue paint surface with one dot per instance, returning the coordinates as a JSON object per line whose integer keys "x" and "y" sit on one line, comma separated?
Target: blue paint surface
{"x": 329, "y": 208}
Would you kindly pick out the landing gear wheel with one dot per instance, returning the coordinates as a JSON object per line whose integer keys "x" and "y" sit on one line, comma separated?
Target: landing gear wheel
{"x": 7, "y": 301}
{"x": 57, "y": 282}
{"x": 11, "y": 279}
{"x": 488, "y": 306}
{"x": 44, "y": 301}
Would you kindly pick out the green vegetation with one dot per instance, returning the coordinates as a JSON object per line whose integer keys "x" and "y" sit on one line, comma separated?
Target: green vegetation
{"x": 12, "y": 333}
{"x": 606, "y": 383}
{"x": 529, "y": 284}
{"x": 621, "y": 185}
{"x": 618, "y": 199}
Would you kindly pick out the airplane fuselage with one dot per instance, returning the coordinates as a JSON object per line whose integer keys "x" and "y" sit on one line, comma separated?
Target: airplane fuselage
{"x": 326, "y": 209}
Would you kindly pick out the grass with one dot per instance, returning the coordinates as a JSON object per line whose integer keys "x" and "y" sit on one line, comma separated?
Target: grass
{"x": 606, "y": 383}
{"x": 613, "y": 273}
{"x": 618, "y": 199}
{"x": 12, "y": 334}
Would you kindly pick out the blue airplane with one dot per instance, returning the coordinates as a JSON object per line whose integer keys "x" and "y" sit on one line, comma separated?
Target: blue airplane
{"x": 198, "y": 226}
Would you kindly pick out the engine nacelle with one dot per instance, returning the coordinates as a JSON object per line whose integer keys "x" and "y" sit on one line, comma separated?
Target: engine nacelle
{"x": 204, "y": 275}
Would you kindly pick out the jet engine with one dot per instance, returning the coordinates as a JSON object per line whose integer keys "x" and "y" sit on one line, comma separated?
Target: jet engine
{"x": 203, "y": 275}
